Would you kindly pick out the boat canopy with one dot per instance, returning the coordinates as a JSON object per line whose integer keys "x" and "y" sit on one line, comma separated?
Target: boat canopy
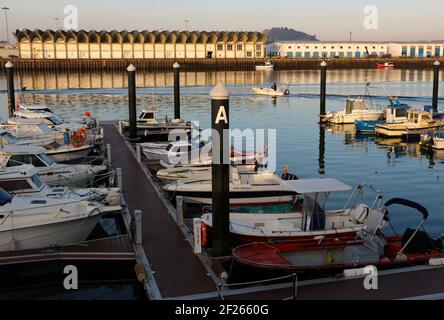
{"x": 305, "y": 186}
{"x": 410, "y": 204}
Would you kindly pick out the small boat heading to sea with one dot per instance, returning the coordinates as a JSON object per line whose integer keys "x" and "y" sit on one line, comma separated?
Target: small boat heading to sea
{"x": 385, "y": 65}
{"x": 267, "y": 66}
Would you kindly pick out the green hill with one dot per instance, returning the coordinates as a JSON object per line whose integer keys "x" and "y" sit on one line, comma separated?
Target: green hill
{"x": 287, "y": 34}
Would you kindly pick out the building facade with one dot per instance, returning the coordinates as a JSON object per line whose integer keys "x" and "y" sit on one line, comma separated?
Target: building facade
{"x": 82, "y": 44}
{"x": 332, "y": 49}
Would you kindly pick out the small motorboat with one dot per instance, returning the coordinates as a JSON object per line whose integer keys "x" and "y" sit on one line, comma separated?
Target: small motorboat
{"x": 267, "y": 66}
{"x": 174, "y": 150}
{"x": 417, "y": 122}
{"x": 433, "y": 140}
{"x": 369, "y": 247}
{"x": 394, "y": 113}
{"x": 240, "y": 159}
{"x": 255, "y": 189}
{"x": 24, "y": 181}
{"x": 355, "y": 110}
{"x": 150, "y": 128}
{"x": 43, "y": 222}
{"x": 273, "y": 92}
{"x": 310, "y": 223}
{"x": 385, "y": 65}
{"x": 174, "y": 174}
{"x": 51, "y": 172}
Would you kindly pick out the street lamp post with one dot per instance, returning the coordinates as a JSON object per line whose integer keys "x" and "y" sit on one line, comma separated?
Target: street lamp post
{"x": 6, "y": 21}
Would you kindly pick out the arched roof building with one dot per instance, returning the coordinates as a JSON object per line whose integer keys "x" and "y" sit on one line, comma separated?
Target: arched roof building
{"x": 82, "y": 44}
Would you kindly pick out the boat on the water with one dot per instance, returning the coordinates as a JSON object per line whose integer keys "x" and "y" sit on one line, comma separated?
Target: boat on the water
{"x": 150, "y": 128}
{"x": 274, "y": 92}
{"x": 433, "y": 140}
{"x": 43, "y": 222}
{"x": 385, "y": 65}
{"x": 417, "y": 122}
{"x": 369, "y": 247}
{"x": 395, "y": 112}
{"x": 266, "y": 66}
{"x": 255, "y": 189}
{"x": 51, "y": 172}
{"x": 310, "y": 222}
{"x": 24, "y": 180}
{"x": 174, "y": 150}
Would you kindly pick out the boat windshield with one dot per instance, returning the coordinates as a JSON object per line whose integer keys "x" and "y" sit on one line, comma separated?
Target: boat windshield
{"x": 5, "y": 197}
{"x": 37, "y": 181}
{"x": 47, "y": 160}
{"x": 55, "y": 120}
{"x": 9, "y": 137}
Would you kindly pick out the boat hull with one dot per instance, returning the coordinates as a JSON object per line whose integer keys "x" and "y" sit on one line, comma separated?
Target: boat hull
{"x": 74, "y": 154}
{"x": 366, "y": 126}
{"x": 265, "y": 68}
{"x": 351, "y": 118}
{"x": 50, "y": 235}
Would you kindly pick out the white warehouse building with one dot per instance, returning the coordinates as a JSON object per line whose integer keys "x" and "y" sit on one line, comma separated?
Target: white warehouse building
{"x": 336, "y": 49}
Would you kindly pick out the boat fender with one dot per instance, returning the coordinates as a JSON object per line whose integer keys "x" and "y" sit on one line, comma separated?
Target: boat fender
{"x": 436, "y": 262}
{"x": 140, "y": 272}
{"x": 203, "y": 234}
{"x": 286, "y": 92}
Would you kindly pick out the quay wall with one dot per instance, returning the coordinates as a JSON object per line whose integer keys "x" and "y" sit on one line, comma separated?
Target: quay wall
{"x": 66, "y": 65}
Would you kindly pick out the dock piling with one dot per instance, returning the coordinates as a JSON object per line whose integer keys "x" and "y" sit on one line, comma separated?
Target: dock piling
{"x": 323, "y": 87}
{"x": 119, "y": 179}
{"x": 108, "y": 154}
{"x": 197, "y": 231}
{"x": 220, "y": 170}
{"x": 138, "y": 231}
{"x": 176, "y": 68}
{"x": 11, "y": 90}
{"x": 435, "y": 86}
{"x": 132, "y": 101}
{"x": 138, "y": 153}
{"x": 179, "y": 209}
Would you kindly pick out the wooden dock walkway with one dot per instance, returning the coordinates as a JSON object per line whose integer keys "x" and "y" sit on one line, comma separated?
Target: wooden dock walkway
{"x": 177, "y": 271}
{"x": 113, "y": 248}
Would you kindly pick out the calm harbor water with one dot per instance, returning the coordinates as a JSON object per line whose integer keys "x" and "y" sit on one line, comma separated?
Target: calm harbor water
{"x": 398, "y": 169}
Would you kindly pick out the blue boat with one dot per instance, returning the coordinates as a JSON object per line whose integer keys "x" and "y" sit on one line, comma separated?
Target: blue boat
{"x": 395, "y": 112}
{"x": 367, "y": 126}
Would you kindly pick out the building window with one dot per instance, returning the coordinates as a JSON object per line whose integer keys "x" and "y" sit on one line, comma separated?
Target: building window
{"x": 229, "y": 47}
{"x": 249, "y": 54}
{"x": 341, "y": 47}
{"x": 289, "y": 47}
{"x": 349, "y": 47}
{"x": 349, "y": 54}
{"x": 241, "y": 47}
{"x": 307, "y": 47}
{"x": 220, "y": 47}
{"x": 258, "y": 53}
{"x": 307, "y": 55}
{"x": 298, "y": 47}
{"x": 332, "y": 47}
{"x": 315, "y": 54}
{"x": 298, "y": 54}
{"x": 357, "y": 47}
{"x": 316, "y": 47}
{"x": 258, "y": 47}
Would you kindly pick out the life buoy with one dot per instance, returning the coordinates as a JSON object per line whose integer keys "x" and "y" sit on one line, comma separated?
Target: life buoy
{"x": 203, "y": 234}
{"x": 78, "y": 138}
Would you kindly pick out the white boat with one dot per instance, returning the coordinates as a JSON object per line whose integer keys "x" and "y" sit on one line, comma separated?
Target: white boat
{"x": 355, "y": 110}
{"x": 59, "y": 151}
{"x": 255, "y": 189}
{"x": 310, "y": 223}
{"x": 274, "y": 92}
{"x": 267, "y": 66}
{"x": 417, "y": 122}
{"x": 173, "y": 150}
{"x": 42, "y": 222}
{"x": 244, "y": 160}
{"x": 24, "y": 180}
{"x": 434, "y": 140}
{"x": 51, "y": 172}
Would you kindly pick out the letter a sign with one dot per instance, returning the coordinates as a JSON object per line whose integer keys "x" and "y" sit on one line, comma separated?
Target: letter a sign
{"x": 221, "y": 115}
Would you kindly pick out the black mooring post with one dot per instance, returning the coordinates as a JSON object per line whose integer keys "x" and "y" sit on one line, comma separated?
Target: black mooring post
{"x": 220, "y": 170}
{"x": 11, "y": 91}
{"x": 132, "y": 101}
{"x": 435, "y": 86}
{"x": 176, "y": 68}
{"x": 323, "y": 88}
{"x": 321, "y": 158}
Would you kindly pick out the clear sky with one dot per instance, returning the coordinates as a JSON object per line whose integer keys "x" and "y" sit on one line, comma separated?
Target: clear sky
{"x": 328, "y": 19}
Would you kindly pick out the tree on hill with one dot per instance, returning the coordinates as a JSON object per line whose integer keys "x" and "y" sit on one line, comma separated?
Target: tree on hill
{"x": 287, "y": 34}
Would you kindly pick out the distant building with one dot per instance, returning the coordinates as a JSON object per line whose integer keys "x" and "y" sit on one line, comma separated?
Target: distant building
{"x": 336, "y": 49}
{"x": 8, "y": 51}
{"x": 82, "y": 44}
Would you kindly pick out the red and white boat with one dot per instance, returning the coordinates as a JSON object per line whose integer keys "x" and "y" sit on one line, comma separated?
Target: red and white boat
{"x": 310, "y": 224}
{"x": 370, "y": 247}
{"x": 385, "y": 65}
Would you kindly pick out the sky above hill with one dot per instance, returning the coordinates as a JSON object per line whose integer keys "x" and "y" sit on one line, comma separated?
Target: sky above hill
{"x": 329, "y": 20}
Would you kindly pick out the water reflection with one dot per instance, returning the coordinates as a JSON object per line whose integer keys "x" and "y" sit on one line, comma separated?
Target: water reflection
{"x": 104, "y": 79}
